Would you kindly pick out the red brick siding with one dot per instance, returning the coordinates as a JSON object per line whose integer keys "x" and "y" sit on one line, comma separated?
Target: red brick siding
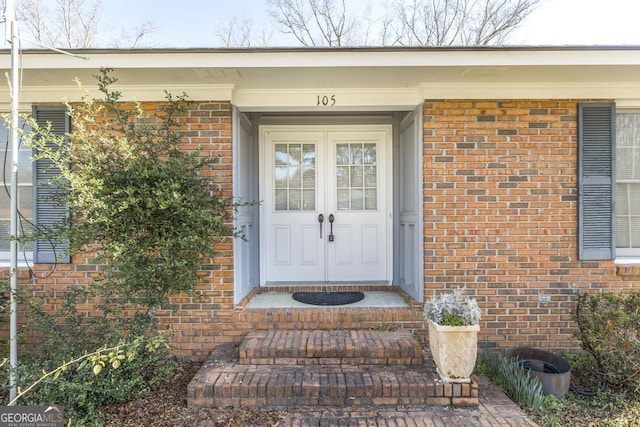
{"x": 197, "y": 323}
{"x": 500, "y": 216}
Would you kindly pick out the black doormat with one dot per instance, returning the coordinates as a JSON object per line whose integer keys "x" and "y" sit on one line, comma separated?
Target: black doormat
{"x": 328, "y": 298}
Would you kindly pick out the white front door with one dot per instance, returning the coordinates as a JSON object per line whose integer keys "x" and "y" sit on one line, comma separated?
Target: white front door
{"x": 325, "y": 205}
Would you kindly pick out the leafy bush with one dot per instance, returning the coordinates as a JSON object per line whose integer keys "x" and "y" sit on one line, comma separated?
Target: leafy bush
{"x": 148, "y": 210}
{"x": 5, "y": 290}
{"x": 151, "y": 216}
{"x": 521, "y": 387}
{"x": 138, "y": 358}
{"x": 610, "y": 330}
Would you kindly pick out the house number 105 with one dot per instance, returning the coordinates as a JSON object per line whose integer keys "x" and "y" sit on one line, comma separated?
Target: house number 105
{"x": 326, "y": 100}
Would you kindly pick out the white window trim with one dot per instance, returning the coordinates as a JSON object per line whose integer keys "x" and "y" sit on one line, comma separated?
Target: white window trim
{"x": 627, "y": 260}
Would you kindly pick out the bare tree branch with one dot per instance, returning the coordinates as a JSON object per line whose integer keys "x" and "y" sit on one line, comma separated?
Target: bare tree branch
{"x": 241, "y": 33}
{"x": 142, "y": 31}
{"x": 317, "y": 22}
{"x": 457, "y": 22}
{"x": 70, "y": 23}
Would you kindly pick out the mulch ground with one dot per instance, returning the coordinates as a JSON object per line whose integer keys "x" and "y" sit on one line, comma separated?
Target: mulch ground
{"x": 166, "y": 406}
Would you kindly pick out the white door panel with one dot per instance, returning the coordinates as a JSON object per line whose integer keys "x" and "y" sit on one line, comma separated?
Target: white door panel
{"x": 338, "y": 171}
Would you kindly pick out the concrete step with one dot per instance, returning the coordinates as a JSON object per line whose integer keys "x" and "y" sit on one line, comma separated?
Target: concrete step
{"x": 317, "y": 347}
{"x": 278, "y": 386}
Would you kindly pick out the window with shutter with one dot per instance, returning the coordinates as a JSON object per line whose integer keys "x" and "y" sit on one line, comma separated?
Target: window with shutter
{"x": 49, "y": 211}
{"x": 628, "y": 184}
{"x": 596, "y": 183}
{"x": 25, "y": 195}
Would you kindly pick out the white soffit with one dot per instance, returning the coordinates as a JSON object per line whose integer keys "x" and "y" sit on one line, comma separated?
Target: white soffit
{"x": 366, "y": 78}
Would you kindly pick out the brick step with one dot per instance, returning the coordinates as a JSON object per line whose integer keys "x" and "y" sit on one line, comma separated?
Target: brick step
{"x": 332, "y": 318}
{"x": 308, "y": 347}
{"x": 277, "y": 386}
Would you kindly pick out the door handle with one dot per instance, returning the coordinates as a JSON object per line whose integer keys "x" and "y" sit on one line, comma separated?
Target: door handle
{"x": 331, "y": 219}
{"x": 321, "y": 220}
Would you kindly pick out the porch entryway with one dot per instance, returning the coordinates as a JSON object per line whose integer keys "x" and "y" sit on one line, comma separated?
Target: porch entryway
{"x": 339, "y": 201}
{"x": 325, "y": 204}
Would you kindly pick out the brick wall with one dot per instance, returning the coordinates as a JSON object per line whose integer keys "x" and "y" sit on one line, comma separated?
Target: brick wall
{"x": 500, "y": 210}
{"x": 197, "y": 323}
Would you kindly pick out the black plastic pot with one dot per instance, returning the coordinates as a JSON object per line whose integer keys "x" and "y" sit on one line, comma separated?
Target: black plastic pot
{"x": 552, "y": 370}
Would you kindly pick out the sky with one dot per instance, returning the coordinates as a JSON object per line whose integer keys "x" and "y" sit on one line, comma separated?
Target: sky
{"x": 191, "y": 23}
{"x": 554, "y": 22}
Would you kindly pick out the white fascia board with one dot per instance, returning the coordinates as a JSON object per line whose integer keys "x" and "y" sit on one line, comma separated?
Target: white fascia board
{"x": 630, "y": 103}
{"x": 327, "y": 58}
{"x": 526, "y": 90}
{"x": 58, "y": 94}
{"x": 346, "y": 99}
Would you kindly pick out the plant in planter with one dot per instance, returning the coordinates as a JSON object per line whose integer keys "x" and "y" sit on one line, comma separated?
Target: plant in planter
{"x": 453, "y": 334}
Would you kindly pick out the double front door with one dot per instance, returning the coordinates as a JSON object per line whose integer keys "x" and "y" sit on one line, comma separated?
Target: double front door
{"x": 325, "y": 204}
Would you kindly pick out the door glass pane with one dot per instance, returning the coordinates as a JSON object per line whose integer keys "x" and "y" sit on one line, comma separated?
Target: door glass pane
{"x": 294, "y": 177}
{"x": 357, "y": 199}
{"x": 281, "y": 200}
{"x": 281, "y": 176}
{"x": 309, "y": 177}
{"x": 356, "y": 154}
{"x": 342, "y": 154}
{"x": 370, "y": 176}
{"x": 342, "y": 176}
{"x": 295, "y": 199}
{"x": 370, "y": 198}
{"x": 356, "y": 176}
{"x": 295, "y": 154}
{"x": 343, "y": 199}
{"x": 369, "y": 154}
{"x": 281, "y": 155}
{"x": 308, "y": 200}
{"x": 309, "y": 154}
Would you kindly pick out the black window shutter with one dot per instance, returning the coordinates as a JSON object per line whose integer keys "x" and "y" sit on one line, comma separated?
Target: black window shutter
{"x": 596, "y": 181}
{"x": 48, "y": 210}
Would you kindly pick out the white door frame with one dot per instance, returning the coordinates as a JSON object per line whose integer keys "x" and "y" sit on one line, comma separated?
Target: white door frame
{"x": 264, "y": 186}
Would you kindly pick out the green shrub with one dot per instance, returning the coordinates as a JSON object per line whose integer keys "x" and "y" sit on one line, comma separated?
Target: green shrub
{"x": 4, "y": 300}
{"x": 150, "y": 215}
{"x": 519, "y": 385}
{"x": 149, "y": 211}
{"x": 85, "y": 386}
{"x": 610, "y": 330}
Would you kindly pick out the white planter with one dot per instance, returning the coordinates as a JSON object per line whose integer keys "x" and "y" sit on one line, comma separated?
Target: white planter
{"x": 454, "y": 350}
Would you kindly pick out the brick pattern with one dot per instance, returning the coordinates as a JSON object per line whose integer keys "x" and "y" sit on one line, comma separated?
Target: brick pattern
{"x": 331, "y": 318}
{"x": 196, "y": 322}
{"x": 310, "y": 384}
{"x": 495, "y": 409}
{"x": 324, "y": 385}
{"x": 318, "y": 347}
{"x": 629, "y": 271}
{"x": 500, "y": 217}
